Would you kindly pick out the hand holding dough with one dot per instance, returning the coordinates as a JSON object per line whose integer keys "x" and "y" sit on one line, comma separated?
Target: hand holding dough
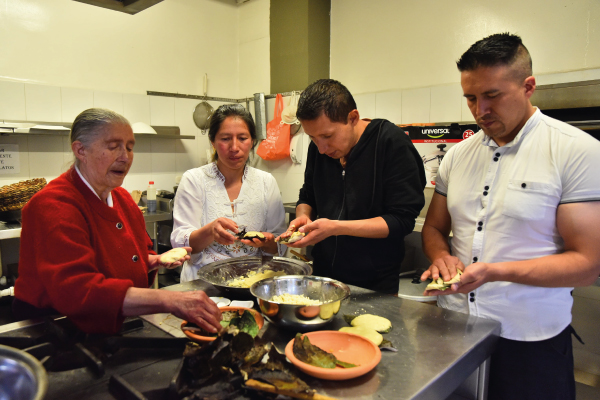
{"x": 172, "y": 255}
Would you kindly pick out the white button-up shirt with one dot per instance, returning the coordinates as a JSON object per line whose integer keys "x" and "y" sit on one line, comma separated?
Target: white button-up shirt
{"x": 503, "y": 201}
{"x": 202, "y": 198}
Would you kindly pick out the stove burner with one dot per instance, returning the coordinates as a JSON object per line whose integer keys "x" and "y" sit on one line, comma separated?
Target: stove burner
{"x": 61, "y": 346}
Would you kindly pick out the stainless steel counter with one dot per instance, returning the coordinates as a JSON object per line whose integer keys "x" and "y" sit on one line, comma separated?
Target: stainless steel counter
{"x": 437, "y": 349}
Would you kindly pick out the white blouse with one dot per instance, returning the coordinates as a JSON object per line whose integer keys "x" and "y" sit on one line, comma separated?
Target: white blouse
{"x": 202, "y": 198}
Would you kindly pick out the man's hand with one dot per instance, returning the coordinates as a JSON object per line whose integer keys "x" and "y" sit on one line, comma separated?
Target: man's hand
{"x": 472, "y": 277}
{"x": 315, "y": 232}
{"x": 294, "y": 225}
{"x": 444, "y": 267}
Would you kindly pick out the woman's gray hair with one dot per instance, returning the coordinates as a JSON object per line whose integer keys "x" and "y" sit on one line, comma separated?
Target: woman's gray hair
{"x": 91, "y": 123}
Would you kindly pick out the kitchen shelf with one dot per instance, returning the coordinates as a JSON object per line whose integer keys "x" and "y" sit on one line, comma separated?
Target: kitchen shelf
{"x": 163, "y": 132}
{"x": 137, "y": 135}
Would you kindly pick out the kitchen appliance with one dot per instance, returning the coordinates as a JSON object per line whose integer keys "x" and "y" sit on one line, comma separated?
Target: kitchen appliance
{"x": 78, "y": 364}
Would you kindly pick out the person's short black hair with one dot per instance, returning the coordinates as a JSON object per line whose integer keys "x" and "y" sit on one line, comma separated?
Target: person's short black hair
{"x": 230, "y": 110}
{"x": 497, "y": 49}
{"x": 325, "y": 96}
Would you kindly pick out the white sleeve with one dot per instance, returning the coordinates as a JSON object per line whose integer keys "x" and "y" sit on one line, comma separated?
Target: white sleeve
{"x": 275, "y": 222}
{"x": 187, "y": 210}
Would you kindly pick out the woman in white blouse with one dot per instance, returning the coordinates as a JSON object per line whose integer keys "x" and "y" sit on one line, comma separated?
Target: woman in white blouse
{"x": 216, "y": 200}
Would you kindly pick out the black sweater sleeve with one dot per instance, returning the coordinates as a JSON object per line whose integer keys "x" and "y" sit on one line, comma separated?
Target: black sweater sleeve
{"x": 403, "y": 182}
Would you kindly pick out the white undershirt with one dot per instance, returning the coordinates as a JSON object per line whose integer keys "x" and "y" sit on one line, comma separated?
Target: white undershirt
{"x": 109, "y": 200}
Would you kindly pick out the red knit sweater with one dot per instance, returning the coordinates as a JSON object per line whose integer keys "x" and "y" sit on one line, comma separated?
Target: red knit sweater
{"x": 79, "y": 256}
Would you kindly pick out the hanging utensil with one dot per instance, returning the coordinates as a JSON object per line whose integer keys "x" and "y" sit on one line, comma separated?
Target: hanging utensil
{"x": 203, "y": 111}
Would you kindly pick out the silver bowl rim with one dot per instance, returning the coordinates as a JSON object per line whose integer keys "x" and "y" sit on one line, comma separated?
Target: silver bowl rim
{"x": 33, "y": 363}
{"x": 303, "y": 277}
{"x": 300, "y": 263}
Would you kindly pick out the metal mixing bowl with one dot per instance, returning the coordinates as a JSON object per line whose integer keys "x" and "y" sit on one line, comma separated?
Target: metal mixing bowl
{"x": 22, "y": 376}
{"x": 329, "y": 292}
{"x": 220, "y": 272}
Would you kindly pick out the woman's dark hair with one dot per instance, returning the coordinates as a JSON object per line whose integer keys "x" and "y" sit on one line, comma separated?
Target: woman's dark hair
{"x": 497, "y": 49}
{"x": 230, "y": 110}
{"x": 326, "y": 96}
{"x": 90, "y": 124}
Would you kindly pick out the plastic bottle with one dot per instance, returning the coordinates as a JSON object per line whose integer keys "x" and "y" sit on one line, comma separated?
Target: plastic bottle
{"x": 151, "y": 197}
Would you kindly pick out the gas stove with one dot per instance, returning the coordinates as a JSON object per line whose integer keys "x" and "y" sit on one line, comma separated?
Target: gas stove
{"x": 140, "y": 359}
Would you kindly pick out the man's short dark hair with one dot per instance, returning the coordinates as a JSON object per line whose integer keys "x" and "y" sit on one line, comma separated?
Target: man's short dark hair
{"x": 325, "y": 96}
{"x": 497, "y": 49}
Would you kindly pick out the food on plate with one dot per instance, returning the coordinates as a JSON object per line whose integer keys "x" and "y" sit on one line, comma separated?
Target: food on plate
{"x": 297, "y": 299}
{"x": 252, "y": 277}
{"x": 314, "y": 355}
{"x": 439, "y": 283}
{"x": 244, "y": 323}
{"x": 365, "y": 332}
{"x": 294, "y": 237}
{"x": 172, "y": 255}
{"x": 380, "y": 324}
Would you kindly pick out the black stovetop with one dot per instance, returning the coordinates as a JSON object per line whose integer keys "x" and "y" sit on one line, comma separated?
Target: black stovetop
{"x": 82, "y": 366}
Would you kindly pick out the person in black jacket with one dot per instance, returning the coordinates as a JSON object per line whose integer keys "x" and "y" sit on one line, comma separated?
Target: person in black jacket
{"x": 363, "y": 189}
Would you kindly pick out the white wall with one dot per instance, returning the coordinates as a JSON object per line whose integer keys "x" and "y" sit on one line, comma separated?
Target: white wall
{"x": 381, "y": 45}
{"x": 61, "y": 57}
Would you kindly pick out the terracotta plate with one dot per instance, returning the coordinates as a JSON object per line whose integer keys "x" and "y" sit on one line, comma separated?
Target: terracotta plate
{"x": 347, "y": 347}
{"x": 199, "y": 338}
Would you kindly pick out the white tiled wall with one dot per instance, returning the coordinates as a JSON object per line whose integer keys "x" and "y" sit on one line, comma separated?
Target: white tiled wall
{"x": 158, "y": 159}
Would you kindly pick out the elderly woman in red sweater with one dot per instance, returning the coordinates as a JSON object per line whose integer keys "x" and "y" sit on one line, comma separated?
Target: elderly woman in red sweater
{"x": 84, "y": 248}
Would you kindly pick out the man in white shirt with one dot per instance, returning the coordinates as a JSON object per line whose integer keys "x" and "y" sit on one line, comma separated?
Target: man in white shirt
{"x": 522, "y": 199}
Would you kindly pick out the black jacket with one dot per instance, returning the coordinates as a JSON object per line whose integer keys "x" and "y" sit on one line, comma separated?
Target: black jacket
{"x": 384, "y": 177}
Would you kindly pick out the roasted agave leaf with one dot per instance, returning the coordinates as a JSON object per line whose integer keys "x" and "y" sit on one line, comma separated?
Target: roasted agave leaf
{"x": 314, "y": 355}
{"x": 282, "y": 380}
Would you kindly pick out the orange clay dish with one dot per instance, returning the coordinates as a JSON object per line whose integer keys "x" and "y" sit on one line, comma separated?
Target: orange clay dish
{"x": 346, "y": 347}
{"x": 200, "y": 338}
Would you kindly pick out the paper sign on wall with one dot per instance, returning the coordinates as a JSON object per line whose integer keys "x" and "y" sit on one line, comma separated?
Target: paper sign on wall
{"x": 9, "y": 159}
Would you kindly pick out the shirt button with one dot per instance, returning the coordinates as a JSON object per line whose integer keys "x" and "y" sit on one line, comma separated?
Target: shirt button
{"x": 475, "y": 259}
{"x": 479, "y": 228}
{"x": 472, "y": 300}
{"x": 523, "y": 185}
{"x": 487, "y": 188}
{"x": 480, "y": 223}
{"x": 119, "y": 225}
{"x": 472, "y": 294}
{"x": 134, "y": 258}
{"x": 485, "y": 193}
{"x": 495, "y": 158}
{"x": 497, "y": 154}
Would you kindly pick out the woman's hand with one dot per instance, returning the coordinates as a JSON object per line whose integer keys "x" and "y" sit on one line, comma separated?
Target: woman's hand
{"x": 268, "y": 245}
{"x": 197, "y": 307}
{"x": 269, "y": 238}
{"x": 194, "y": 306}
{"x": 219, "y": 229}
{"x": 154, "y": 260}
